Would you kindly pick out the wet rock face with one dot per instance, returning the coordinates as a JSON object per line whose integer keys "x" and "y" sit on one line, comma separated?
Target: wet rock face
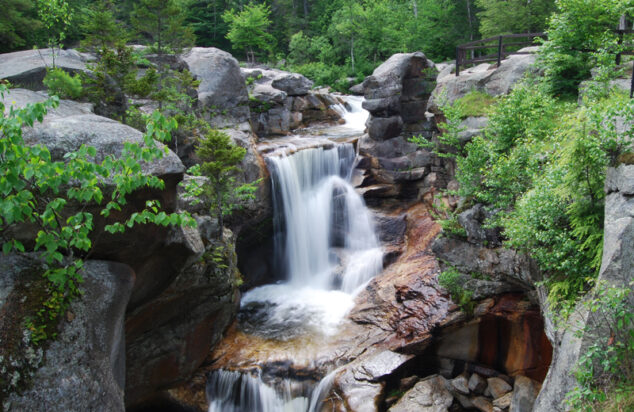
{"x": 396, "y": 95}
{"x": 170, "y": 336}
{"x": 506, "y": 335}
{"x": 83, "y": 369}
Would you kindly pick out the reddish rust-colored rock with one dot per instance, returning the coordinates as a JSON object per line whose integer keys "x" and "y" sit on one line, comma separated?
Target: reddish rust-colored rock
{"x": 406, "y": 298}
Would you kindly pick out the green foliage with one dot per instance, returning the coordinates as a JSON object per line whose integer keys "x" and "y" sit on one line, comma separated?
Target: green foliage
{"x": 577, "y": 30}
{"x": 62, "y": 84}
{"x": 474, "y": 104}
{"x": 220, "y": 158}
{"x": 453, "y": 282}
{"x": 205, "y": 18}
{"x": 513, "y": 16}
{"x": 17, "y": 24}
{"x": 101, "y": 30}
{"x": 55, "y": 16}
{"x": 560, "y": 220}
{"x": 248, "y": 29}
{"x": 54, "y": 195}
{"x": 304, "y": 49}
{"x": 447, "y": 144}
{"x": 323, "y": 74}
{"x": 608, "y": 363}
{"x": 500, "y": 166}
{"x": 163, "y": 24}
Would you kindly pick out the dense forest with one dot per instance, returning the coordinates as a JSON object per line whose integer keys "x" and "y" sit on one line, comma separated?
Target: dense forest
{"x": 328, "y": 41}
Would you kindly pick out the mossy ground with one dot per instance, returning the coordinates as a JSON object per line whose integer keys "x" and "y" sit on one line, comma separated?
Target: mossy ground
{"x": 475, "y": 104}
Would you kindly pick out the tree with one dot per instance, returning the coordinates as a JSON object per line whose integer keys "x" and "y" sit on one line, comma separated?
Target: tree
{"x": 220, "y": 158}
{"x": 578, "y": 27}
{"x": 248, "y": 29}
{"x": 346, "y": 23}
{"x": 56, "y": 17}
{"x": 101, "y": 29}
{"x": 513, "y": 16}
{"x": 205, "y": 17}
{"x": 17, "y": 24}
{"x": 163, "y": 22}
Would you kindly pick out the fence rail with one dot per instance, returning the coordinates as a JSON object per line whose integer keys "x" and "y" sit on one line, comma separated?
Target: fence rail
{"x": 500, "y": 50}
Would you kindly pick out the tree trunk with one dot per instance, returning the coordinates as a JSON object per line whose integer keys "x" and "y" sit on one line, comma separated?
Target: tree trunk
{"x": 352, "y": 52}
{"x": 470, "y": 20}
{"x": 415, "y": 7}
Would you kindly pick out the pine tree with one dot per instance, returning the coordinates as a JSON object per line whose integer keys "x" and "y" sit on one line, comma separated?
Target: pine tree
{"x": 163, "y": 22}
{"x": 220, "y": 157}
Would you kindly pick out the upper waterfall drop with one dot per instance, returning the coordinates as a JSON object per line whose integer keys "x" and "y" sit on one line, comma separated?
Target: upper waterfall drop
{"x": 321, "y": 223}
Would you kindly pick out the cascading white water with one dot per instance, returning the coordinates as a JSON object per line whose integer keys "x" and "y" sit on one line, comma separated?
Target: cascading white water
{"x": 354, "y": 115}
{"x": 321, "y": 211}
{"x": 326, "y": 245}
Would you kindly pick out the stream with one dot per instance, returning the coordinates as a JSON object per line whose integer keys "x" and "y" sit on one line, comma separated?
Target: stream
{"x": 325, "y": 245}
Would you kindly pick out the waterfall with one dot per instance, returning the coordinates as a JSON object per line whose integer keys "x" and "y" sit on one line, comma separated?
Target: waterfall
{"x": 326, "y": 247}
{"x": 230, "y": 391}
{"x": 354, "y": 115}
{"x": 317, "y": 211}
{"x": 240, "y": 392}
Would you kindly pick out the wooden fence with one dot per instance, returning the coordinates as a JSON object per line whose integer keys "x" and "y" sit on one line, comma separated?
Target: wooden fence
{"x": 493, "y": 49}
{"x": 475, "y": 52}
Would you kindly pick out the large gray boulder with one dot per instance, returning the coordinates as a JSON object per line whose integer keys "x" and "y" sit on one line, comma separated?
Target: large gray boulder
{"x": 293, "y": 84}
{"x": 617, "y": 266}
{"x": 27, "y": 68}
{"x": 83, "y": 368}
{"x": 222, "y": 91}
{"x": 487, "y": 78}
{"x": 400, "y": 87}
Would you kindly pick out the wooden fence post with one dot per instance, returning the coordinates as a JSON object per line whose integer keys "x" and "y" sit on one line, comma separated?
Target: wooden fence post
{"x": 499, "y": 51}
{"x": 457, "y": 61}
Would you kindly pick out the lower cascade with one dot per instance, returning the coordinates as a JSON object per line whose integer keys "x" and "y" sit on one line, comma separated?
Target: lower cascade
{"x": 327, "y": 249}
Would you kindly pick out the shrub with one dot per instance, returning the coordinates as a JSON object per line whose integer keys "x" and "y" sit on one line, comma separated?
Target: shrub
{"x": 453, "y": 281}
{"x": 62, "y": 84}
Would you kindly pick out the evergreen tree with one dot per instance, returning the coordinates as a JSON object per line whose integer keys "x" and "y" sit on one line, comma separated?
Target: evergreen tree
{"x": 163, "y": 23}
{"x": 220, "y": 158}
